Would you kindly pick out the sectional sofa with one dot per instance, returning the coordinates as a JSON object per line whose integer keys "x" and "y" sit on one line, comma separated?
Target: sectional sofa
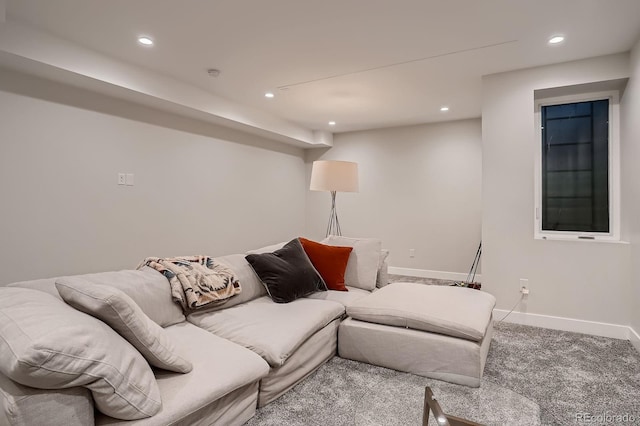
{"x": 148, "y": 362}
{"x": 243, "y": 354}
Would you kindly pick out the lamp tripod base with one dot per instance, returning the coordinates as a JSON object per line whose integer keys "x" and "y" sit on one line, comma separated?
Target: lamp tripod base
{"x": 333, "y": 228}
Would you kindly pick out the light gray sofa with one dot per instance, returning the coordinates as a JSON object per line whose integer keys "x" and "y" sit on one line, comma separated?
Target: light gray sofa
{"x": 225, "y": 360}
{"x": 245, "y": 353}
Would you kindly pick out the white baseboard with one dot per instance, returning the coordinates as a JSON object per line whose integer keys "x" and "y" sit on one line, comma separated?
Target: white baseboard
{"x": 567, "y": 324}
{"x": 634, "y": 338}
{"x": 425, "y": 273}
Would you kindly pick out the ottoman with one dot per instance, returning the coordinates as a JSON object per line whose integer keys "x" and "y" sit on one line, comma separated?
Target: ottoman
{"x": 439, "y": 332}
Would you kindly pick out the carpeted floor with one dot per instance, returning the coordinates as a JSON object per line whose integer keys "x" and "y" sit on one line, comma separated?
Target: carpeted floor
{"x": 406, "y": 279}
{"x": 533, "y": 376}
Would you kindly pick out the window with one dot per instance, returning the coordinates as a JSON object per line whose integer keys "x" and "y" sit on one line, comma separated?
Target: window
{"x": 577, "y": 168}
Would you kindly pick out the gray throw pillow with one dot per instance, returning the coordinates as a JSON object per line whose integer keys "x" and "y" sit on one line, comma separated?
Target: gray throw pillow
{"x": 288, "y": 274}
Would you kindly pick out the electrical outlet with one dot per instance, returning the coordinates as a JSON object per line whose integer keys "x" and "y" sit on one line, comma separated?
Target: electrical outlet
{"x": 524, "y": 286}
{"x": 412, "y": 252}
{"x": 122, "y": 179}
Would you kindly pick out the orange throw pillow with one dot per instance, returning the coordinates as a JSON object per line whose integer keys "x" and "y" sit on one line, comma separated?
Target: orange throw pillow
{"x": 329, "y": 261}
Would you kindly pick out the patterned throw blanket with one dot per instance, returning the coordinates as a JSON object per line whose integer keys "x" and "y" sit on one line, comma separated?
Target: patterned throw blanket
{"x": 196, "y": 281}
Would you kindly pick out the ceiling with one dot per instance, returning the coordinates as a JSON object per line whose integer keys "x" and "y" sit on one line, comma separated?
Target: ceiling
{"x": 362, "y": 63}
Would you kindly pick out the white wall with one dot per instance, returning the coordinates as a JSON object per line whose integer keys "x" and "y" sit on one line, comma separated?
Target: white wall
{"x": 199, "y": 189}
{"x": 419, "y": 189}
{"x": 630, "y": 133}
{"x": 580, "y": 280}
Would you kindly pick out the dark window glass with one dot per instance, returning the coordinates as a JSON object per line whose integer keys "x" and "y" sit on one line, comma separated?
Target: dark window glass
{"x": 575, "y": 167}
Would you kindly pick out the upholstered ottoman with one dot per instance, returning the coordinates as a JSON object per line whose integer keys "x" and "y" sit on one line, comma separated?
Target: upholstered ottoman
{"x": 434, "y": 331}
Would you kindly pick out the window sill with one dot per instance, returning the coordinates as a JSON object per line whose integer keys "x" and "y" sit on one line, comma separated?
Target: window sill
{"x": 579, "y": 240}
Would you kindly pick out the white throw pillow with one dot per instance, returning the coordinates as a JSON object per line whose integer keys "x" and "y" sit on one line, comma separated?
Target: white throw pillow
{"x": 362, "y": 268}
{"x": 119, "y": 311}
{"x": 47, "y": 344}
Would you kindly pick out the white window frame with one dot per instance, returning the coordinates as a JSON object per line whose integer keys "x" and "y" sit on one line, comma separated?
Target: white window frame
{"x": 614, "y": 169}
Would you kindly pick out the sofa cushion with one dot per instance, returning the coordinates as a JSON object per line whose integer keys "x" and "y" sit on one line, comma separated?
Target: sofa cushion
{"x": 147, "y": 287}
{"x": 219, "y": 368}
{"x": 267, "y": 249}
{"x": 26, "y": 406}
{"x": 273, "y": 331}
{"x": 121, "y": 313}
{"x": 362, "y": 268}
{"x": 47, "y": 285}
{"x": 452, "y": 311}
{"x": 46, "y": 344}
{"x": 345, "y": 298}
{"x": 329, "y": 261}
{"x": 252, "y": 288}
{"x": 287, "y": 273}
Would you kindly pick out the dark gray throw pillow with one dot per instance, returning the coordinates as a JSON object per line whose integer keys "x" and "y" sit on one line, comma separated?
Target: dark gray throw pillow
{"x": 287, "y": 273}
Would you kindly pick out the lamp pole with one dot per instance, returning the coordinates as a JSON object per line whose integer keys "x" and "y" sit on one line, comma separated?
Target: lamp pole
{"x": 333, "y": 228}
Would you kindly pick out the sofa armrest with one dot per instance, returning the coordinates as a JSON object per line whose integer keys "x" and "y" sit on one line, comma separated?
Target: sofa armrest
{"x": 24, "y": 406}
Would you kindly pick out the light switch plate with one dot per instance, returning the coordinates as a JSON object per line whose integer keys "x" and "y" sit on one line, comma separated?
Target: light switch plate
{"x": 129, "y": 179}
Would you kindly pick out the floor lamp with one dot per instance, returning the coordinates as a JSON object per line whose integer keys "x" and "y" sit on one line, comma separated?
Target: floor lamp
{"x": 334, "y": 176}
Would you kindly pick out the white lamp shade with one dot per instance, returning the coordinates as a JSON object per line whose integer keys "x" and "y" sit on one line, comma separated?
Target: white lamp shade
{"x": 340, "y": 176}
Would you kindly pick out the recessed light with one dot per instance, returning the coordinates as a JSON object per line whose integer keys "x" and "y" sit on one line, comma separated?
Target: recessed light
{"x": 145, "y": 41}
{"x": 332, "y": 123}
{"x": 269, "y": 95}
{"x": 444, "y": 108}
{"x": 556, "y": 39}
